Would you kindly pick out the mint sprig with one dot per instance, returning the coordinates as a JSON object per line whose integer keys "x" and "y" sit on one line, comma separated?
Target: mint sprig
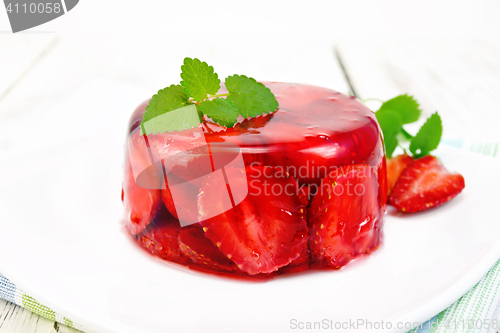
{"x": 199, "y": 87}
{"x": 401, "y": 110}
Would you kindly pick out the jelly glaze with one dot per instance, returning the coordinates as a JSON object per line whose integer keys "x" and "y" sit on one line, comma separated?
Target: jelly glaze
{"x": 314, "y": 133}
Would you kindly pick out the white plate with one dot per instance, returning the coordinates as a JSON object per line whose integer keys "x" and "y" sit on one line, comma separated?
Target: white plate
{"x": 62, "y": 243}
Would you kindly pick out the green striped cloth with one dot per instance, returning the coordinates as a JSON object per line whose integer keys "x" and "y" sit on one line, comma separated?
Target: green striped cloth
{"x": 10, "y": 292}
{"x": 477, "y": 311}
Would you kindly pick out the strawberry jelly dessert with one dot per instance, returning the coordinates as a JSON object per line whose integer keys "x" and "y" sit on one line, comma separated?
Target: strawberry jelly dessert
{"x": 303, "y": 187}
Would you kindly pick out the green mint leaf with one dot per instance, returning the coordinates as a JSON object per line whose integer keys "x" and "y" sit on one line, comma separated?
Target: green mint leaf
{"x": 199, "y": 79}
{"x": 251, "y": 98}
{"x": 391, "y": 124}
{"x": 428, "y": 137}
{"x": 175, "y": 120}
{"x": 406, "y": 106}
{"x": 165, "y": 100}
{"x": 221, "y": 110}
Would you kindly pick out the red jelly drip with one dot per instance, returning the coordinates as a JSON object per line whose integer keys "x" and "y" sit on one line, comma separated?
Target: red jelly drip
{"x": 315, "y": 131}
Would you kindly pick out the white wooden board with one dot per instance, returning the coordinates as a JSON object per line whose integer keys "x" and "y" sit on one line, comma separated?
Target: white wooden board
{"x": 15, "y": 319}
{"x": 460, "y": 79}
{"x": 19, "y": 54}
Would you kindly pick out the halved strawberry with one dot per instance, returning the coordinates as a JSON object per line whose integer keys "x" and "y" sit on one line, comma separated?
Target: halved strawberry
{"x": 424, "y": 184}
{"x": 395, "y": 166}
{"x": 194, "y": 245}
{"x": 345, "y": 216}
{"x": 267, "y": 229}
{"x": 160, "y": 239}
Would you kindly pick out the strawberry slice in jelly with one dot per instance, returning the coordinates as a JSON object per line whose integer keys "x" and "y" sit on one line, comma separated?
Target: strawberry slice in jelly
{"x": 141, "y": 205}
{"x": 190, "y": 174}
{"x": 141, "y": 202}
{"x": 194, "y": 245}
{"x": 345, "y": 216}
{"x": 265, "y": 231}
{"x": 161, "y": 239}
{"x": 298, "y": 265}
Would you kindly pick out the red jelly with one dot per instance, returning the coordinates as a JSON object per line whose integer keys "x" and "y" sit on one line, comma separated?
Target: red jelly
{"x": 303, "y": 187}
